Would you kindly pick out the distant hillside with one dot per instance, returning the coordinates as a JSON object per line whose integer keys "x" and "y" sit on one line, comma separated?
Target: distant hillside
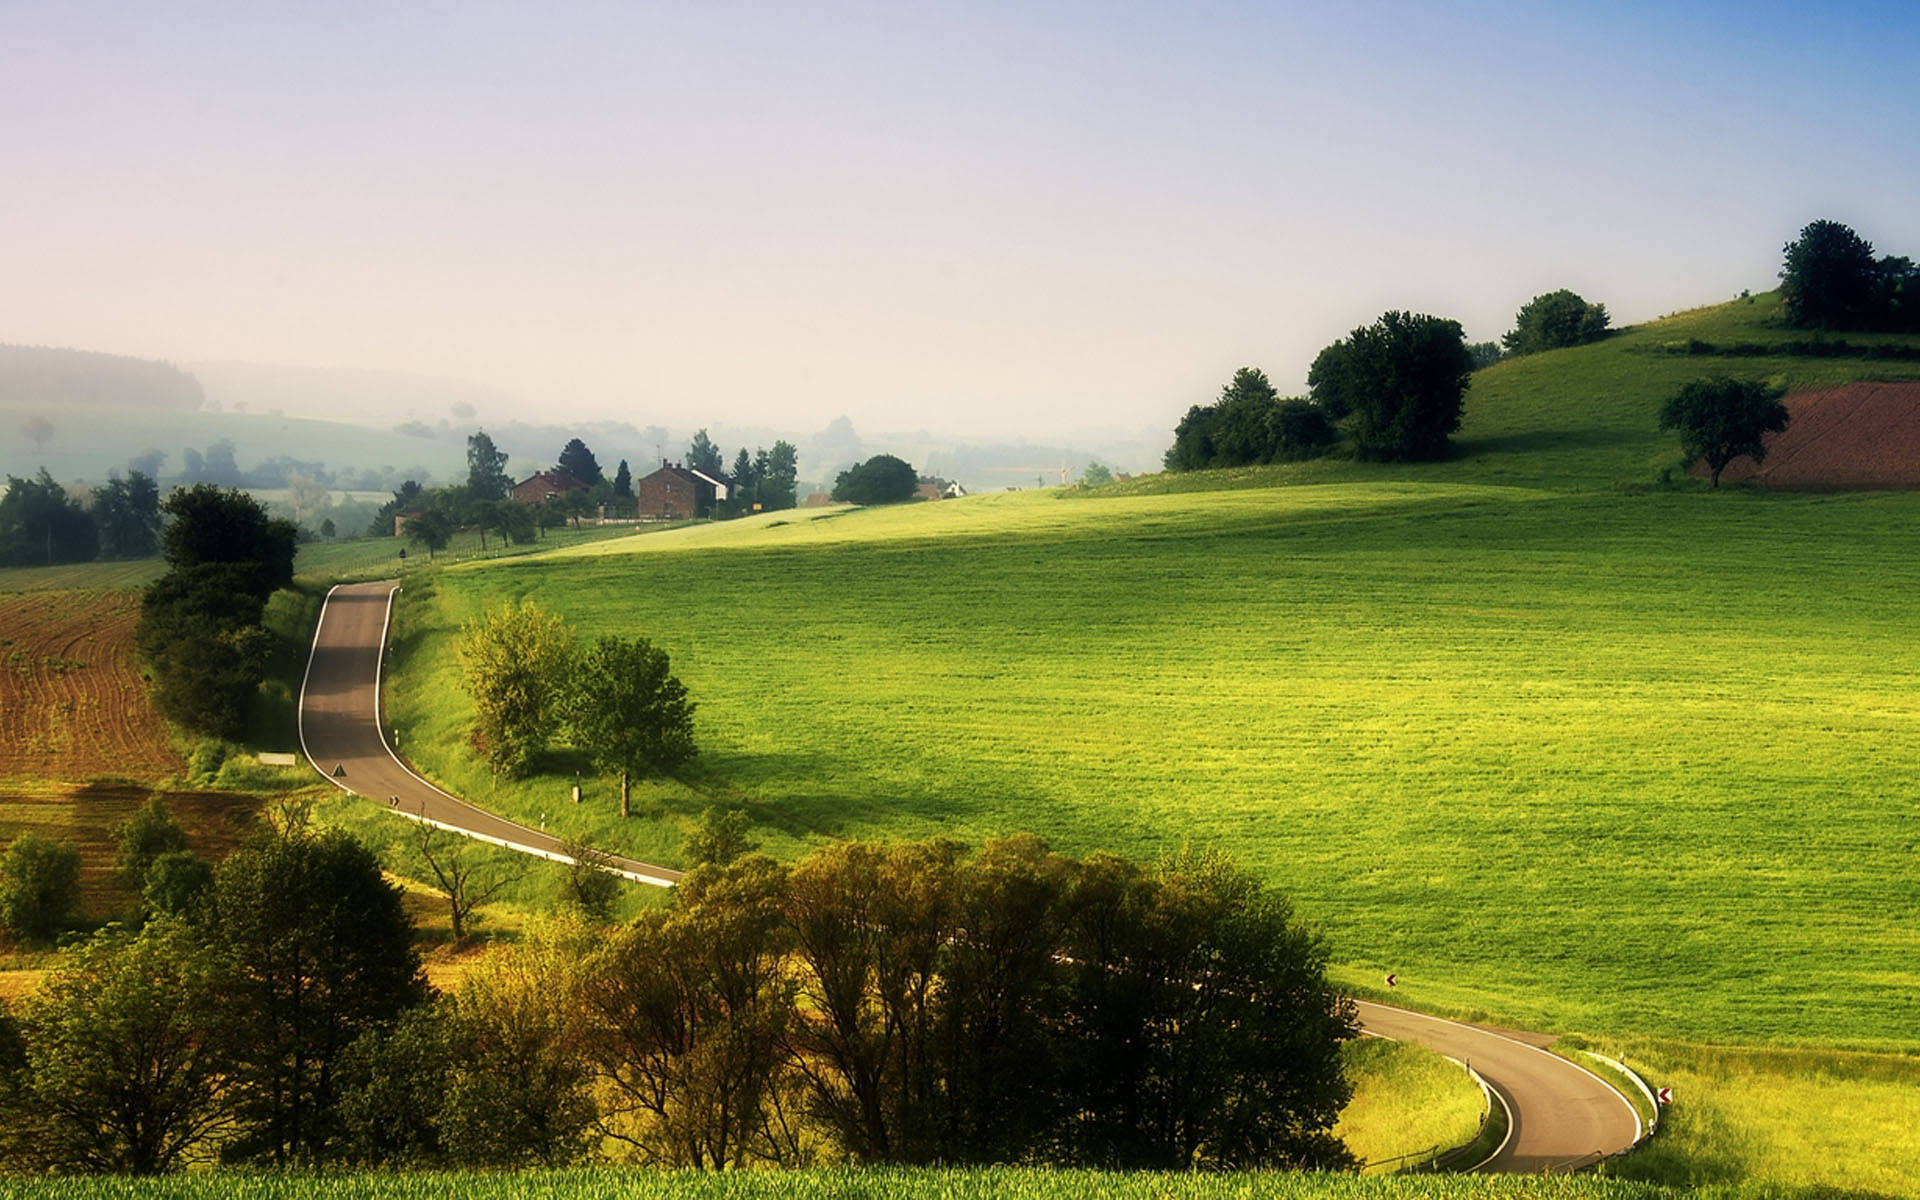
{"x": 386, "y": 398}
{"x": 45, "y": 377}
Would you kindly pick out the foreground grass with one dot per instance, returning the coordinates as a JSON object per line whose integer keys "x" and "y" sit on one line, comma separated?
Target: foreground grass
{"x": 1632, "y": 764}
{"x": 876, "y": 1184}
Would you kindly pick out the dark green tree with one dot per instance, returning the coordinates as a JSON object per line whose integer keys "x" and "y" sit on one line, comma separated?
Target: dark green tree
{"x": 40, "y": 525}
{"x": 745, "y": 481}
{"x": 177, "y": 885}
{"x": 778, "y": 476}
{"x": 39, "y": 887}
{"x": 487, "y": 477}
{"x": 1192, "y": 448}
{"x": 200, "y": 636}
{"x": 1555, "y": 320}
{"x": 408, "y": 497}
{"x": 1403, "y": 379}
{"x": 431, "y": 529}
{"x": 628, "y": 712}
{"x": 149, "y": 833}
{"x": 1721, "y": 419}
{"x": 623, "y": 482}
{"x": 223, "y": 525}
{"x": 1829, "y": 278}
{"x": 128, "y": 1049}
{"x": 1302, "y": 430}
{"x": 127, "y": 512}
{"x": 578, "y": 461}
{"x": 703, "y": 455}
{"x": 882, "y": 479}
{"x": 321, "y": 951}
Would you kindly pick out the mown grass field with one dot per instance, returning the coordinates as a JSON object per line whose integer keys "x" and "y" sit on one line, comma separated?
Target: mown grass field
{"x": 1620, "y": 763}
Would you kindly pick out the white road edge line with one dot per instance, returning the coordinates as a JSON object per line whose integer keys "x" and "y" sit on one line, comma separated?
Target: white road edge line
{"x": 380, "y": 671}
{"x": 1639, "y": 1126}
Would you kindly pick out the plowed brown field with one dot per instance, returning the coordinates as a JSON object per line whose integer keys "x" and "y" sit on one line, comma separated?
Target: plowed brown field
{"x": 1857, "y": 437}
{"x": 72, "y": 703}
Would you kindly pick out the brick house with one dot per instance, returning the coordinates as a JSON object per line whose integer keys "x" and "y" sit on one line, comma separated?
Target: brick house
{"x": 535, "y": 488}
{"x": 677, "y": 493}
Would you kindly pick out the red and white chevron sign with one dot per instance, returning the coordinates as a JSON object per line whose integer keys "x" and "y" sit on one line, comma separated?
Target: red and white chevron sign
{"x": 1664, "y": 1095}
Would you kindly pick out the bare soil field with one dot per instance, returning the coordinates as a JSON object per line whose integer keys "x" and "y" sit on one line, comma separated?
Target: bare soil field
{"x": 87, "y": 816}
{"x": 72, "y": 704}
{"x": 1862, "y": 436}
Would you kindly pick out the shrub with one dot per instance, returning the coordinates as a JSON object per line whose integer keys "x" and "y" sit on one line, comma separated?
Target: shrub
{"x": 39, "y": 886}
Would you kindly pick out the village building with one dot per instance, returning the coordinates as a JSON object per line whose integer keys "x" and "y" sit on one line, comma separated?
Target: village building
{"x": 536, "y": 488}
{"x": 678, "y": 493}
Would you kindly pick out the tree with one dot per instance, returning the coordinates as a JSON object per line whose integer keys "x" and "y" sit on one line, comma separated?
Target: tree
{"x": 406, "y": 498}
{"x": 149, "y": 833}
{"x": 432, "y": 529}
{"x": 1302, "y": 430}
{"x": 127, "y": 512}
{"x": 623, "y": 482}
{"x": 746, "y": 480}
{"x": 516, "y": 662}
{"x": 224, "y": 525}
{"x": 589, "y": 885}
{"x": 1192, "y": 448}
{"x": 1828, "y": 279}
{"x": 882, "y": 479}
{"x": 778, "y": 477}
{"x": 1484, "y": 354}
{"x": 128, "y": 1050}
{"x": 41, "y": 525}
{"x": 327, "y": 529}
{"x": 703, "y": 455}
{"x": 177, "y": 885}
{"x": 578, "y": 461}
{"x": 461, "y": 879}
{"x": 1096, "y": 475}
{"x": 487, "y": 477}
{"x": 1721, "y": 419}
{"x": 1554, "y": 320}
{"x": 201, "y": 638}
{"x": 628, "y": 711}
{"x": 321, "y": 951}
{"x": 718, "y": 838}
{"x": 39, "y": 886}
{"x": 1404, "y": 380}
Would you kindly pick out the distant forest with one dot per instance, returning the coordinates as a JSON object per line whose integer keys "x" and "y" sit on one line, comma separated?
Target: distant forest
{"x": 41, "y": 375}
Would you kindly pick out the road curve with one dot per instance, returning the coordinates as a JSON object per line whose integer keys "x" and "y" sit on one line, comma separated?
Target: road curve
{"x": 1561, "y": 1116}
{"x": 343, "y": 736}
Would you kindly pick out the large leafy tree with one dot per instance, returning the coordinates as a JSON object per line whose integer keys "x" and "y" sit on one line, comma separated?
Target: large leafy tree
{"x": 516, "y": 662}
{"x": 40, "y": 525}
{"x": 487, "y": 477}
{"x": 39, "y": 886}
{"x": 777, "y": 472}
{"x": 1722, "y": 419}
{"x": 578, "y": 461}
{"x": 628, "y": 711}
{"x": 1402, "y": 379}
{"x": 321, "y": 951}
{"x": 1551, "y": 321}
{"x": 129, "y": 1046}
{"x": 882, "y": 479}
{"x": 1828, "y": 279}
{"x": 225, "y": 525}
{"x": 201, "y": 638}
{"x": 127, "y": 510}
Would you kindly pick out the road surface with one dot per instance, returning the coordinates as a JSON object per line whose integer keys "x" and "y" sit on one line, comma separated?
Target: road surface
{"x": 344, "y": 736}
{"x": 1560, "y": 1115}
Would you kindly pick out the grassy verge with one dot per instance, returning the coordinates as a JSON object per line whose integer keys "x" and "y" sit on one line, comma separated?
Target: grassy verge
{"x": 1407, "y": 1100}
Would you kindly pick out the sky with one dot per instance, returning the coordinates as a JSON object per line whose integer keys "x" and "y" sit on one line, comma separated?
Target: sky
{"x": 976, "y": 218}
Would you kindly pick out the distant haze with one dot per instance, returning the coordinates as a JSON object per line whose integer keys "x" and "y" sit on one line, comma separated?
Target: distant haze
{"x": 979, "y": 219}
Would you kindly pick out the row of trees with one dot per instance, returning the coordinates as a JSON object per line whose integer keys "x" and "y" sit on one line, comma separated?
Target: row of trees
{"x": 1830, "y": 279}
{"x": 871, "y": 1003}
{"x": 200, "y": 631}
{"x": 617, "y": 700}
{"x": 42, "y": 523}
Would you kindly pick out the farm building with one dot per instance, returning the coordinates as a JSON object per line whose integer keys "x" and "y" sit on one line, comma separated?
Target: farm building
{"x": 541, "y": 484}
{"x": 678, "y": 493}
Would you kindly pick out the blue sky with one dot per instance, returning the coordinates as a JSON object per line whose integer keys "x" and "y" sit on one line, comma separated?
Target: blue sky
{"x": 972, "y": 218}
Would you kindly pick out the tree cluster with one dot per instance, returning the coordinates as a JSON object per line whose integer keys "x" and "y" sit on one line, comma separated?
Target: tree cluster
{"x": 226, "y": 1029}
{"x": 617, "y": 699}
{"x": 882, "y": 479}
{"x": 763, "y": 481}
{"x": 41, "y": 524}
{"x": 1553, "y": 321}
{"x": 1250, "y": 424}
{"x": 1398, "y": 385}
{"x": 872, "y": 1003}
{"x": 200, "y": 631}
{"x": 1831, "y": 280}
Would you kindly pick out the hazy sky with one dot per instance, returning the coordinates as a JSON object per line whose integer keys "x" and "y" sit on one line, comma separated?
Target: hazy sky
{"x": 970, "y": 217}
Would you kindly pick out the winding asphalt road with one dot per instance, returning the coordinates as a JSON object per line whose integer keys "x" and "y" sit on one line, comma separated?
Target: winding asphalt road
{"x": 1560, "y": 1116}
